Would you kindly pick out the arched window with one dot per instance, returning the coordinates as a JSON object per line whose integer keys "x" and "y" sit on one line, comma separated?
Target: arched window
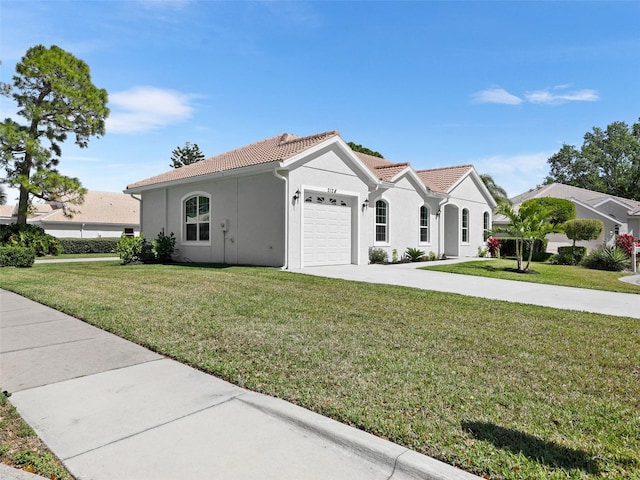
{"x": 465, "y": 225}
{"x": 196, "y": 218}
{"x": 424, "y": 224}
{"x": 381, "y": 221}
{"x": 486, "y": 225}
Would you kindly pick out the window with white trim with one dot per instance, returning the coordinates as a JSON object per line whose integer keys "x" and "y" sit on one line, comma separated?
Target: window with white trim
{"x": 486, "y": 225}
{"x": 196, "y": 218}
{"x": 381, "y": 221}
{"x": 424, "y": 224}
{"x": 465, "y": 225}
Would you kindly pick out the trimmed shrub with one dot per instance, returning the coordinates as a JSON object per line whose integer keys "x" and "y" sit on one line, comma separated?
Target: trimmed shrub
{"x": 21, "y": 257}
{"x": 561, "y": 209}
{"x": 30, "y": 236}
{"x": 508, "y": 248}
{"x": 162, "y": 247}
{"x": 580, "y": 229}
{"x": 130, "y": 249}
{"x": 569, "y": 255}
{"x": 613, "y": 259}
{"x": 89, "y": 245}
{"x": 378, "y": 255}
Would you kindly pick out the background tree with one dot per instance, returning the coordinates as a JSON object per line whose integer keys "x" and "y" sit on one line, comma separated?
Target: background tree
{"x": 56, "y": 97}
{"x": 580, "y": 229}
{"x": 560, "y": 209}
{"x": 498, "y": 193}
{"x": 3, "y": 196}
{"x": 607, "y": 162}
{"x": 359, "y": 148}
{"x": 186, "y": 155}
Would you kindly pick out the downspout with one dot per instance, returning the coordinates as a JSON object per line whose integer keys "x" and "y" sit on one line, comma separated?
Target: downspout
{"x": 140, "y": 214}
{"x": 286, "y": 217}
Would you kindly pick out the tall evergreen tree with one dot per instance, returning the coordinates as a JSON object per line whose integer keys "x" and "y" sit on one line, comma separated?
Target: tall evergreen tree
{"x": 56, "y": 97}
{"x": 186, "y": 155}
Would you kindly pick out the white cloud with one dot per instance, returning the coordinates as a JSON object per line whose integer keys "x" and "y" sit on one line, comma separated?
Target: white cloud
{"x": 496, "y": 95}
{"x": 557, "y": 95}
{"x": 142, "y": 109}
{"x": 516, "y": 173}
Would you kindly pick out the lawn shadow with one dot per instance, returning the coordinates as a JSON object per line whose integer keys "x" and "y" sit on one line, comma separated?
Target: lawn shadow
{"x": 546, "y": 452}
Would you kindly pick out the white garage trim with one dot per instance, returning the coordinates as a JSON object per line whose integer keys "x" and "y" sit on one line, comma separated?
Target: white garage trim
{"x": 329, "y": 226}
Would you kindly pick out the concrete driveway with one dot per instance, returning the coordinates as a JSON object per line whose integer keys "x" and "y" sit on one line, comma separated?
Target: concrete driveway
{"x": 408, "y": 275}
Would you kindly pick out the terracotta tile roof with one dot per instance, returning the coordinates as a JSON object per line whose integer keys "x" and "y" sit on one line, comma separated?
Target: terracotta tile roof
{"x": 373, "y": 162}
{"x": 99, "y": 207}
{"x": 6, "y": 210}
{"x": 442, "y": 179}
{"x": 387, "y": 172}
{"x": 280, "y": 147}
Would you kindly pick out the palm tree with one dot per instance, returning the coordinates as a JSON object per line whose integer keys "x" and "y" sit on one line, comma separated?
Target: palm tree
{"x": 498, "y": 193}
{"x": 530, "y": 223}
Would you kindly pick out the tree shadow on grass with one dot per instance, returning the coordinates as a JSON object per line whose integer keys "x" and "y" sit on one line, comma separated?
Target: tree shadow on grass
{"x": 548, "y": 453}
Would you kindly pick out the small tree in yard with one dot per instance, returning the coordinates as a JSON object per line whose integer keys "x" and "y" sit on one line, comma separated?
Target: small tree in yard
{"x": 580, "y": 229}
{"x": 56, "y": 97}
{"x": 530, "y": 223}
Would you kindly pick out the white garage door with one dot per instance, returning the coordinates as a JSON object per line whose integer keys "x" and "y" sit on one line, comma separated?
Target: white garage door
{"x": 327, "y": 230}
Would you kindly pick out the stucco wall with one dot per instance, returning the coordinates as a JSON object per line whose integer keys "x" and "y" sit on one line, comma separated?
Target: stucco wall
{"x": 467, "y": 194}
{"x": 252, "y": 207}
{"x": 404, "y": 202}
{"x": 87, "y": 231}
{"x": 330, "y": 172}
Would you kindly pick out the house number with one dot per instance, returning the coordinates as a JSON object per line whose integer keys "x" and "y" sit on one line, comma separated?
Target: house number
{"x": 331, "y": 190}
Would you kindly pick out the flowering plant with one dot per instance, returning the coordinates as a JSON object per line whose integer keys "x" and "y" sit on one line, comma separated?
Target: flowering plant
{"x": 626, "y": 241}
{"x": 494, "y": 244}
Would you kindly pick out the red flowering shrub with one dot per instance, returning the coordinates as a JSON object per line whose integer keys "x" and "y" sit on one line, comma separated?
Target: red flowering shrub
{"x": 626, "y": 242}
{"x": 493, "y": 245}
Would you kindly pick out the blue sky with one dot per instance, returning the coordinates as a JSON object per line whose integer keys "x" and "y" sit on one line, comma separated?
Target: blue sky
{"x": 501, "y": 85}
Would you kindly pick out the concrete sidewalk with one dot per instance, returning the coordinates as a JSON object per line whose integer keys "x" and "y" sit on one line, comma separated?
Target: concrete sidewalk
{"x": 110, "y": 409}
{"x": 408, "y": 275}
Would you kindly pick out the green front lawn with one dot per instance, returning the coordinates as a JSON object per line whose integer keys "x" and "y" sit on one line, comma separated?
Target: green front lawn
{"x": 564, "y": 275}
{"x": 499, "y": 389}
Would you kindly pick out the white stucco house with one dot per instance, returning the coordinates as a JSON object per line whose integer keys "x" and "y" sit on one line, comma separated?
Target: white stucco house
{"x": 102, "y": 214}
{"x": 619, "y": 215}
{"x": 295, "y": 202}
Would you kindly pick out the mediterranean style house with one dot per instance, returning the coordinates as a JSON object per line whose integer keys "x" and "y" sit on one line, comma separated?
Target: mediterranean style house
{"x": 296, "y": 202}
{"x": 103, "y": 214}
{"x": 619, "y": 215}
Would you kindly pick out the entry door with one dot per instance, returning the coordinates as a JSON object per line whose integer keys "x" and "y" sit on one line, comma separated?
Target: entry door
{"x": 327, "y": 230}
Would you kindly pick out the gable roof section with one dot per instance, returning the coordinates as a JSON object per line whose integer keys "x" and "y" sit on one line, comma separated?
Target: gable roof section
{"x": 99, "y": 207}
{"x": 278, "y": 148}
{"x": 584, "y": 196}
{"x": 444, "y": 179}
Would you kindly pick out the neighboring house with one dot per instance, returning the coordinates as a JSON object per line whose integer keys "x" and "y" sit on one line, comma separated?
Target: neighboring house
{"x": 102, "y": 214}
{"x": 619, "y": 215}
{"x": 302, "y": 201}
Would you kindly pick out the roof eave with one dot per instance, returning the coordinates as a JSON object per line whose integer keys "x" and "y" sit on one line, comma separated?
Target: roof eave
{"x": 241, "y": 171}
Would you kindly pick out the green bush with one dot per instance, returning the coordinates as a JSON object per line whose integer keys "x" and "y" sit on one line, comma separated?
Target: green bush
{"x": 378, "y": 255}
{"x": 31, "y": 236}
{"x": 508, "y": 248}
{"x": 414, "y": 254}
{"x": 89, "y": 245}
{"x": 162, "y": 247}
{"x": 569, "y": 255}
{"x": 432, "y": 256}
{"x": 130, "y": 249}
{"x": 21, "y": 257}
{"x": 613, "y": 259}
